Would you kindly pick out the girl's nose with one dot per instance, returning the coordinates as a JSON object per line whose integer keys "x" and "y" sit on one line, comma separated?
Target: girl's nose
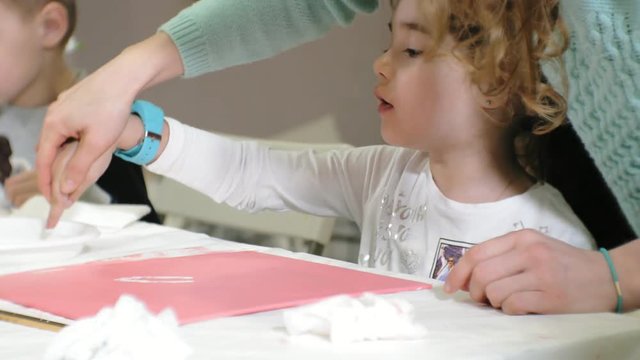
{"x": 381, "y": 66}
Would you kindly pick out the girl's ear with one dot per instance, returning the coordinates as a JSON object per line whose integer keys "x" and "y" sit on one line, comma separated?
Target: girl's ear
{"x": 495, "y": 101}
{"x": 491, "y": 102}
{"x": 53, "y": 22}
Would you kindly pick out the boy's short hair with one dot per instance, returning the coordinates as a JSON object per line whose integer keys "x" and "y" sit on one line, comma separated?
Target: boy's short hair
{"x": 29, "y": 7}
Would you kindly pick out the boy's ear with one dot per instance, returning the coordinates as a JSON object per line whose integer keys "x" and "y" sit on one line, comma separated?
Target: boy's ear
{"x": 53, "y": 22}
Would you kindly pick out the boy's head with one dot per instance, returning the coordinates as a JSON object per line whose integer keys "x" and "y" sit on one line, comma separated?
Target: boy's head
{"x": 458, "y": 56}
{"x": 31, "y": 8}
{"x": 33, "y": 35}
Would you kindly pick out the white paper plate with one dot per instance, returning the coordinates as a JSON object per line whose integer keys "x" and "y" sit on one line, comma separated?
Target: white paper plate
{"x": 23, "y": 240}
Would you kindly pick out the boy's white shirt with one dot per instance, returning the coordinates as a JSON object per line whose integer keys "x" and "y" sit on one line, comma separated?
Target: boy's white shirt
{"x": 22, "y": 127}
{"x": 407, "y": 225}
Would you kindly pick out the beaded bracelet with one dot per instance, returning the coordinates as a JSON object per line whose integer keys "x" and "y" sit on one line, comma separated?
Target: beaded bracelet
{"x": 614, "y": 275}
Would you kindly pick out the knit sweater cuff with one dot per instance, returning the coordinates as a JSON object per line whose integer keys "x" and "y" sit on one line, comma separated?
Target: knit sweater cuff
{"x": 581, "y": 10}
{"x": 188, "y": 37}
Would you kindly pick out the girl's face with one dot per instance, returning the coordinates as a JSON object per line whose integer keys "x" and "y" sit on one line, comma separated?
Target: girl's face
{"x": 20, "y": 52}
{"x": 426, "y": 103}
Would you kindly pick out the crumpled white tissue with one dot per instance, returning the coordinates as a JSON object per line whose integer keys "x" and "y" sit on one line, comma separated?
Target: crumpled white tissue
{"x": 127, "y": 331}
{"x": 345, "y": 319}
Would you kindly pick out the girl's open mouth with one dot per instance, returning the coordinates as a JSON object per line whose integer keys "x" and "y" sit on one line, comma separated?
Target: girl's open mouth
{"x": 384, "y": 106}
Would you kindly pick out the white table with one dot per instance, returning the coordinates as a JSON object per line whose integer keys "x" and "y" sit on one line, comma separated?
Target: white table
{"x": 458, "y": 328}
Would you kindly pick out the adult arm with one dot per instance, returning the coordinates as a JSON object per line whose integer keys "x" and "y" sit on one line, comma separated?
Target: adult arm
{"x": 213, "y": 35}
{"x": 527, "y": 272}
{"x": 210, "y": 35}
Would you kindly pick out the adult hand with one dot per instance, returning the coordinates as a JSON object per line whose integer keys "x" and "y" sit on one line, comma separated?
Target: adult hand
{"x": 61, "y": 201}
{"x": 95, "y": 111}
{"x": 528, "y": 272}
{"x": 21, "y": 187}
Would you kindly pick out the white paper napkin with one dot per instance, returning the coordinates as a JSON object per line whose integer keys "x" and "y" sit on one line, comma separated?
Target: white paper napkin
{"x": 115, "y": 216}
{"x": 127, "y": 331}
{"x": 345, "y": 319}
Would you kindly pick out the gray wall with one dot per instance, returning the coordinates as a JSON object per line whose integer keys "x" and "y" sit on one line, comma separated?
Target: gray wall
{"x": 319, "y": 92}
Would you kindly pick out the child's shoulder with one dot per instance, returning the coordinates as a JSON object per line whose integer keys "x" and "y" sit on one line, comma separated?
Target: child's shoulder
{"x": 390, "y": 155}
{"x": 547, "y": 195}
{"x": 545, "y": 203}
{"x": 557, "y": 216}
{"x": 389, "y": 151}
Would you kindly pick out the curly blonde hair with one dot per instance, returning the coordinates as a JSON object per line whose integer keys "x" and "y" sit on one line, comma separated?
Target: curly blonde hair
{"x": 503, "y": 44}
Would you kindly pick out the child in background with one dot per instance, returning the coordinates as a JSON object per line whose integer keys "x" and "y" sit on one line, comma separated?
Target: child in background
{"x": 33, "y": 69}
{"x": 460, "y": 82}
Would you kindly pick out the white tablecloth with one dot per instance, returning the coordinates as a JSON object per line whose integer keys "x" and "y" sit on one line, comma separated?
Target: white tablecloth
{"x": 458, "y": 328}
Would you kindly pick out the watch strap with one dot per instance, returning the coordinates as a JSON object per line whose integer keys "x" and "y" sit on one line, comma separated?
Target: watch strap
{"x": 152, "y": 118}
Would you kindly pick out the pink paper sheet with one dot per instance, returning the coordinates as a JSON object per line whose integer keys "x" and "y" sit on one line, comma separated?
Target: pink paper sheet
{"x": 197, "y": 287}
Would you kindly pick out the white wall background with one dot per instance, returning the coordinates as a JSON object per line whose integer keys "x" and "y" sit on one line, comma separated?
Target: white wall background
{"x": 319, "y": 92}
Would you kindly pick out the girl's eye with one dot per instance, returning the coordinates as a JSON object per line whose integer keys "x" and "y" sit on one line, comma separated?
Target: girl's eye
{"x": 412, "y": 53}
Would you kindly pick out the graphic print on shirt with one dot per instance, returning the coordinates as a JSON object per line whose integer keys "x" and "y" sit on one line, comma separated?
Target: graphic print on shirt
{"x": 401, "y": 220}
{"x": 519, "y": 225}
{"x": 447, "y": 255}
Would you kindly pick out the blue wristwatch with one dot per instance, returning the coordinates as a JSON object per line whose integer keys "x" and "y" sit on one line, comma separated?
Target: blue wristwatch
{"x": 152, "y": 119}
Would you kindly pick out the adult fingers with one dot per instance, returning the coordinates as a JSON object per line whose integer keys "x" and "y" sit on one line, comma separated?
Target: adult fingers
{"x": 526, "y": 302}
{"x": 500, "y": 290}
{"x": 492, "y": 271}
{"x": 460, "y": 275}
{"x": 59, "y": 202}
{"x": 55, "y": 213}
{"x": 47, "y": 151}
{"x": 76, "y": 171}
{"x": 73, "y": 197}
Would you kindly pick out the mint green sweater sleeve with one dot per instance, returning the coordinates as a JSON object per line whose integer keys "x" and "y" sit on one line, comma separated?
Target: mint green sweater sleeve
{"x": 215, "y": 34}
{"x": 603, "y": 64}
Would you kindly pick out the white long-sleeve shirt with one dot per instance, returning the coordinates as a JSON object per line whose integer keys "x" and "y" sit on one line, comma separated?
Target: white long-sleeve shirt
{"x": 406, "y": 223}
